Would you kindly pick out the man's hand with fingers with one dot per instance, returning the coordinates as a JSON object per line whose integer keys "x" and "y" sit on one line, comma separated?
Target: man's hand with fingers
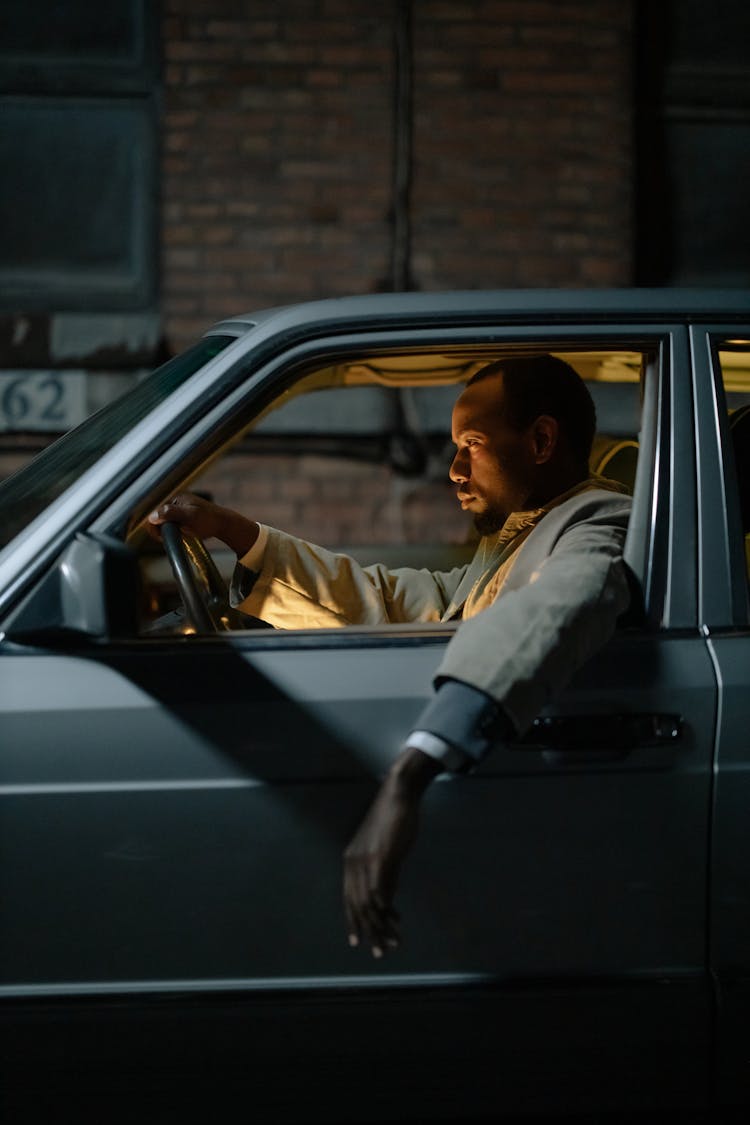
{"x": 373, "y": 859}
{"x": 207, "y": 520}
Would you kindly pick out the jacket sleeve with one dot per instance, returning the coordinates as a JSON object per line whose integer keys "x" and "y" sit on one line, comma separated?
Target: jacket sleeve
{"x": 525, "y": 647}
{"x": 301, "y": 586}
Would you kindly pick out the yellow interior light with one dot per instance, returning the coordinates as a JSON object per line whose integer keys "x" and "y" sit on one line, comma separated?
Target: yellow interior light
{"x": 735, "y": 367}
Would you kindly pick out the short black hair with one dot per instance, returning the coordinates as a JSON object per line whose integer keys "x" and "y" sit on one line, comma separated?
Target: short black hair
{"x": 544, "y": 384}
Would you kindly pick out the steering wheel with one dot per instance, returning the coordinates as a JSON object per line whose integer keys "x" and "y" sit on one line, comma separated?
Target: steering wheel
{"x": 204, "y": 593}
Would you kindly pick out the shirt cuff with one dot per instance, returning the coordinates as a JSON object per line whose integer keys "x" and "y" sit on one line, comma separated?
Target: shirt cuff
{"x": 253, "y": 559}
{"x": 437, "y": 748}
{"x": 247, "y": 569}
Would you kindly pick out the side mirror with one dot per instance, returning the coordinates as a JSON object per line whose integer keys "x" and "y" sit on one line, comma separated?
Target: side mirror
{"x": 93, "y": 590}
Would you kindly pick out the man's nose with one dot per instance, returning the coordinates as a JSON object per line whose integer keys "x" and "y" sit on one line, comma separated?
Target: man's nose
{"x": 459, "y": 470}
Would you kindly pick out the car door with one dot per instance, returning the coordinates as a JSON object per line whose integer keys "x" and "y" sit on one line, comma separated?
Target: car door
{"x": 722, "y": 361}
{"x": 175, "y": 811}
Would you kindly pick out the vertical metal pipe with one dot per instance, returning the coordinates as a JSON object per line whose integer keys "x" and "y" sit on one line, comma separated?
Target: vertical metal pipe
{"x": 400, "y": 272}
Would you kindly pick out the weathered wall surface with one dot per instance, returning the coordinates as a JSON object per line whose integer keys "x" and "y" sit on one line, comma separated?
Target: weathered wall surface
{"x": 277, "y": 155}
{"x": 523, "y": 162}
{"x": 279, "y": 131}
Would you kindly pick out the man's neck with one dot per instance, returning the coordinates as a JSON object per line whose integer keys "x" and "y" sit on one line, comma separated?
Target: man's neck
{"x": 553, "y": 485}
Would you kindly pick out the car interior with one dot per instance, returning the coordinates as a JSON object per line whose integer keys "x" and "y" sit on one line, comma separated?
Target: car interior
{"x": 734, "y": 362}
{"x": 354, "y": 456}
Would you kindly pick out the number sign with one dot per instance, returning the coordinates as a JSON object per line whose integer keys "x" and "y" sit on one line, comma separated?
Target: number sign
{"x": 49, "y": 401}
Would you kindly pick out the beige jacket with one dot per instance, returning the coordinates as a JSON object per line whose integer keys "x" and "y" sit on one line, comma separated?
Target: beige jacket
{"x": 536, "y": 600}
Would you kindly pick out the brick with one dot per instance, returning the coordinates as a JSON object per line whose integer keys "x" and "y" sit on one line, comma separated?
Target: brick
{"x": 234, "y": 258}
{"x": 514, "y": 58}
{"x": 601, "y": 270}
{"x": 176, "y": 234}
{"x": 176, "y": 166}
{"x": 537, "y": 82}
{"x": 173, "y": 75}
{"x": 319, "y": 31}
{"x": 181, "y": 306}
{"x": 216, "y": 235}
{"x": 226, "y": 29}
{"x": 240, "y": 300}
{"x": 181, "y": 258}
{"x": 242, "y": 209}
{"x": 458, "y": 34}
{"x": 318, "y": 76}
{"x": 203, "y": 281}
{"x": 199, "y": 52}
{"x": 295, "y": 489}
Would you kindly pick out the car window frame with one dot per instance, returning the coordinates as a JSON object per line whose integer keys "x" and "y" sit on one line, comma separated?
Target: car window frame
{"x": 723, "y": 600}
{"x": 661, "y": 532}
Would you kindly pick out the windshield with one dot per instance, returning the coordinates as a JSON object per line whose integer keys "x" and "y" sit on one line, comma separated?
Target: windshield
{"x": 29, "y": 491}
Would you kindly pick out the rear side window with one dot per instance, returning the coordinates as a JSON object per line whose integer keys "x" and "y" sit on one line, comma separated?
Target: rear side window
{"x": 734, "y": 363}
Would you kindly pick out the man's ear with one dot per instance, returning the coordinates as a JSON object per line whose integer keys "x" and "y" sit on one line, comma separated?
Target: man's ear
{"x": 544, "y": 433}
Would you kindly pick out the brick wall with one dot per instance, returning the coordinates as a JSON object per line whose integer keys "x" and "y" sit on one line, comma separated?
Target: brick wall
{"x": 278, "y": 139}
{"x": 277, "y": 150}
{"x": 340, "y": 502}
{"x": 523, "y": 163}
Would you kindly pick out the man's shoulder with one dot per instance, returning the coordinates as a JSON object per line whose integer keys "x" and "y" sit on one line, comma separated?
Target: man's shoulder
{"x": 594, "y": 507}
{"x": 594, "y": 501}
{"x": 592, "y": 524}
{"x": 592, "y": 516}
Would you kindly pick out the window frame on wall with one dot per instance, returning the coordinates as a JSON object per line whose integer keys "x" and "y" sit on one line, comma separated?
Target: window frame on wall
{"x": 67, "y": 76}
{"x": 689, "y": 98}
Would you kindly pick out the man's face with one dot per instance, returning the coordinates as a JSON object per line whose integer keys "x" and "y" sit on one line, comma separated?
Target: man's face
{"x": 495, "y": 466}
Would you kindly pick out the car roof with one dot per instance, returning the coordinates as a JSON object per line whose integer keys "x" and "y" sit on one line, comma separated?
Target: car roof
{"x": 512, "y": 305}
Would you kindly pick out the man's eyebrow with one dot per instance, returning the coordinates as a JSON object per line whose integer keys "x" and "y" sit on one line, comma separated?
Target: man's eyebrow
{"x": 471, "y": 431}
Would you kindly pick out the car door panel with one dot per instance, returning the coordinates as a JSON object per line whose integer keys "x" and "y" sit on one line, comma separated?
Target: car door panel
{"x": 216, "y": 784}
{"x": 643, "y": 816}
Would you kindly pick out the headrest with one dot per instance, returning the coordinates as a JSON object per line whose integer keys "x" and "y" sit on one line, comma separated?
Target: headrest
{"x": 616, "y": 459}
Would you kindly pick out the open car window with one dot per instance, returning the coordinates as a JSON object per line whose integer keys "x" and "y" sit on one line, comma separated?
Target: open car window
{"x": 354, "y": 456}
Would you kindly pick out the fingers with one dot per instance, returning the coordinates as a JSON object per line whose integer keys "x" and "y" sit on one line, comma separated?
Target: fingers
{"x": 177, "y": 509}
{"x": 370, "y": 917}
{"x": 192, "y": 513}
{"x": 372, "y": 863}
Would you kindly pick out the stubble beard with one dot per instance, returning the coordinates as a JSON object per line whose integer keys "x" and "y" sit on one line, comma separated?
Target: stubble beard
{"x": 489, "y": 521}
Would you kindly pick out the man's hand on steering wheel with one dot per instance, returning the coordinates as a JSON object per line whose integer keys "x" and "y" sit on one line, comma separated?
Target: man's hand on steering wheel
{"x": 182, "y": 523}
{"x": 207, "y": 520}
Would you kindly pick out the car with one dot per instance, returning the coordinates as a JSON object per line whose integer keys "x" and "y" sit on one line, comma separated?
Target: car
{"x": 179, "y": 782}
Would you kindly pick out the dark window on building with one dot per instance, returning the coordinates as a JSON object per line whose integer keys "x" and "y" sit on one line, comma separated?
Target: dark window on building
{"x": 78, "y": 198}
{"x": 693, "y": 100}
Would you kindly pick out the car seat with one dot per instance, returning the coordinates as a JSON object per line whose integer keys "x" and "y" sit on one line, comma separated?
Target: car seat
{"x": 616, "y": 459}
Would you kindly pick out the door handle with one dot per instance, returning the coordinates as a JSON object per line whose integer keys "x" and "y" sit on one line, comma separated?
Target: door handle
{"x": 602, "y": 735}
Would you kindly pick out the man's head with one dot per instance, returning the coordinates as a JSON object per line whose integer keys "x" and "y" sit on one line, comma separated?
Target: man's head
{"x": 523, "y": 429}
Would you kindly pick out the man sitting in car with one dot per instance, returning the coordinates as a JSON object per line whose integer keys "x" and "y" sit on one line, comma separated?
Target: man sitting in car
{"x": 541, "y": 595}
